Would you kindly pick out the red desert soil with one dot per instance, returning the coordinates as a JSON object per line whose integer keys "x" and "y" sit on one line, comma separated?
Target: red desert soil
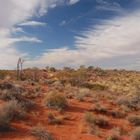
{"x": 72, "y": 127}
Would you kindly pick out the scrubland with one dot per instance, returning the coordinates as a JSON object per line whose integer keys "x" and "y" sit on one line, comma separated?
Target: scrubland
{"x": 70, "y": 104}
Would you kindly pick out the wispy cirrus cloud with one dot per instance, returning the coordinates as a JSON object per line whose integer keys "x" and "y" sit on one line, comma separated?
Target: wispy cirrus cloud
{"x": 71, "y": 2}
{"x": 109, "y": 6}
{"x": 18, "y": 12}
{"x": 115, "y": 40}
{"x": 33, "y": 23}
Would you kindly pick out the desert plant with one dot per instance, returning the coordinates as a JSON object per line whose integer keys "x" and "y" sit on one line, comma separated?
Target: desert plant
{"x": 4, "y": 121}
{"x": 14, "y": 110}
{"x": 113, "y": 137}
{"x": 100, "y": 109}
{"x": 55, "y": 100}
{"x": 54, "y": 120}
{"x": 136, "y": 134}
{"x": 117, "y": 114}
{"x": 41, "y": 133}
{"x": 134, "y": 119}
{"x": 8, "y": 112}
{"x": 99, "y": 120}
{"x": 89, "y": 118}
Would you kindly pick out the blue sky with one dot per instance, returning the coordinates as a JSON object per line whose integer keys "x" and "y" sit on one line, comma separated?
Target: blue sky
{"x": 62, "y": 33}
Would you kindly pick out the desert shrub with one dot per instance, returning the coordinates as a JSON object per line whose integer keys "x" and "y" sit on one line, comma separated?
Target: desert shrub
{"x": 53, "y": 120}
{"x": 117, "y": 114}
{"x": 55, "y": 100}
{"x": 11, "y": 86}
{"x": 93, "y": 86}
{"x": 8, "y": 95}
{"x": 41, "y": 133}
{"x": 99, "y": 120}
{"x": 133, "y": 103}
{"x": 14, "y": 110}
{"x": 4, "y": 121}
{"x": 135, "y": 120}
{"x": 100, "y": 109}
{"x": 89, "y": 118}
{"x": 114, "y": 134}
{"x": 113, "y": 137}
{"x": 8, "y": 112}
{"x": 136, "y": 134}
{"x": 81, "y": 93}
{"x": 27, "y": 103}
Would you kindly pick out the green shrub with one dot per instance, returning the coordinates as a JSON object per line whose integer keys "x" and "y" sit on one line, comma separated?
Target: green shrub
{"x": 55, "y": 100}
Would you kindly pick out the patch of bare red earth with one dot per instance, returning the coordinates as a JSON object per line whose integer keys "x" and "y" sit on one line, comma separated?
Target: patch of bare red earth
{"x": 69, "y": 130}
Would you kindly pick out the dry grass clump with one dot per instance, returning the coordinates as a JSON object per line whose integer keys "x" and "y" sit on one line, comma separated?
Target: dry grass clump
{"x": 41, "y": 133}
{"x": 11, "y": 110}
{"x": 113, "y": 137}
{"x": 114, "y": 134}
{"x": 4, "y": 121}
{"x": 81, "y": 93}
{"x": 133, "y": 103}
{"x": 117, "y": 114}
{"x": 136, "y": 134}
{"x": 94, "y": 86}
{"x": 134, "y": 119}
{"x": 54, "y": 120}
{"x": 9, "y": 95}
{"x": 100, "y": 109}
{"x": 55, "y": 100}
{"x": 99, "y": 120}
{"x": 14, "y": 110}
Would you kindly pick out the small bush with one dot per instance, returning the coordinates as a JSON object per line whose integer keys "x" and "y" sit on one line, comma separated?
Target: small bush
{"x": 9, "y": 95}
{"x": 14, "y": 110}
{"x": 81, "y": 93}
{"x": 89, "y": 118}
{"x": 114, "y": 134}
{"x": 113, "y": 137}
{"x": 117, "y": 114}
{"x": 100, "y": 109}
{"x": 99, "y": 120}
{"x": 55, "y": 100}
{"x": 135, "y": 120}
{"x": 8, "y": 112}
{"x": 93, "y": 86}
{"x": 54, "y": 120}
{"x": 4, "y": 121}
{"x": 41, "y": 133}
{"x": 136, "y": 134}
{"x": 102, "y": 121}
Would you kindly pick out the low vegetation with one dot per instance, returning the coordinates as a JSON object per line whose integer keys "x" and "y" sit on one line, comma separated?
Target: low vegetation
{"x": 41, "y": 133}
{"x": 136, "y": 134}
{"x": 55, "y": 100}
{"x": 69, "y": 103}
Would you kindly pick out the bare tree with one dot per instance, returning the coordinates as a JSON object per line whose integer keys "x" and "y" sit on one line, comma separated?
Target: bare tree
{"x": 19, "y": 68}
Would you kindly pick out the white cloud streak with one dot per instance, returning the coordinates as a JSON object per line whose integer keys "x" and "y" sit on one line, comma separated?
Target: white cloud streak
{"x": 32, "y": 23}
{"x": 15, "y": 12}
{"x": 111, "y": 41}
